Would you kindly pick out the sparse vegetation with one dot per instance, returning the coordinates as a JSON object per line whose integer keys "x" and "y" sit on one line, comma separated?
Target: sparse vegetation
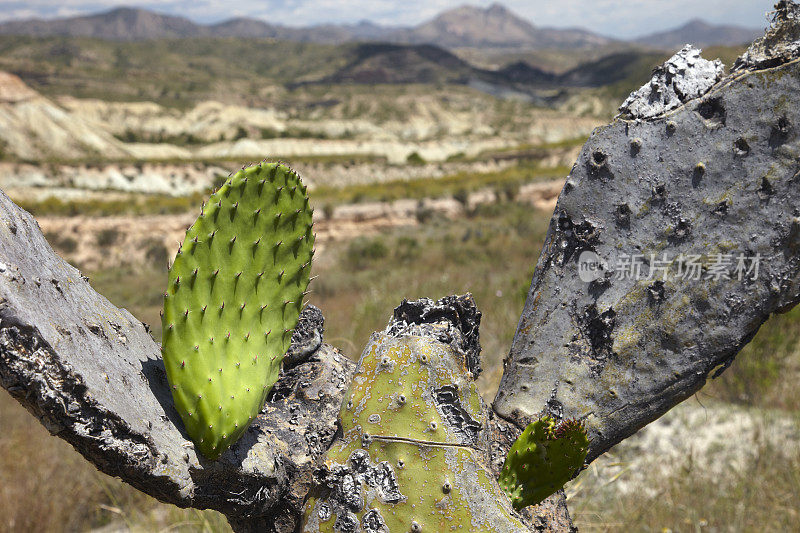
{"x": 156, "y": 253}
{"x": 61, "y": 243}
{"x": 406, "y": 249}
{"x": 509, "y": 180}
{"x": 172, "y": 72}
{"x": 107, "y": 237}
{"x": 764, "y": 496}
{"x": 361, "y": 252}
{"x": 415, "y": 159}
{"x": 462, "y": 183}
{"x": 297, "y": 133}
{"x": 184, "y": 139}
{"x": 182, "y": 72}
{"x": 135, "y": 205}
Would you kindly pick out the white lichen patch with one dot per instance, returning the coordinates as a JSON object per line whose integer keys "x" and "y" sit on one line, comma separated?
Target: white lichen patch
{"x": 681, "y": 78}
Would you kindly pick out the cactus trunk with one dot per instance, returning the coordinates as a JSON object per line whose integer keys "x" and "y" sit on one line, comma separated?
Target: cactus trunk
{"x": 412, "y": 452}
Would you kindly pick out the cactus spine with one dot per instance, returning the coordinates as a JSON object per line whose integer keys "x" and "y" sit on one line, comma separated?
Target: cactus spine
{"x": 544, "y": 457}
{"x": 234, "y": 296}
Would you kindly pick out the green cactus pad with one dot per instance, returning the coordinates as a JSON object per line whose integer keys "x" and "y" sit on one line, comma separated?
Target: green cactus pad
{"x": 234, "y": 296}
{"x": 544, "y": 457}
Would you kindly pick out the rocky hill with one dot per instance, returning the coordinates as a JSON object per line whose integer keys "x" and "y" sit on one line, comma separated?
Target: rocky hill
{"x": 389, "y": 127}
{"x": 700, "y": 33}
{"x": 120, "y": 24}
{"x": 390, "y": 63}
{"x": 33, "y": 127}
{"x": 393, "y": 63}
{"x": 494, "y": 26}
{"x": 634, "y": 65}
{"x": 323, "y": 33}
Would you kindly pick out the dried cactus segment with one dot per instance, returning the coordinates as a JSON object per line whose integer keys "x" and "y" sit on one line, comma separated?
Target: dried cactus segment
{"x": 544, "y": 457}
{"x": 405, "y": 461}
{"x": 233, "y": 298}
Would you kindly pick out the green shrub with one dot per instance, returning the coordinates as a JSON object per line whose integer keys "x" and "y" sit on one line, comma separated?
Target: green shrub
{"x": 156, "y": 253}
{"x": 219, "y": 179}
{"x": 507, "y": 191}
{"x": 423, "y": 213}
{"x": 407, "y": 248}
{"x": 511, "y": 190}
{"x": 129, "y": 136}
{"x": 270, "y": 133}
{"x": 415, "y": 159}
{"x": 241, "y": 133}
{"x": 462, "y": 196}
{"x": 361, "y": 252}
{"x": 61, "y": 243}
{"x": 458, "y": 156}
{"x": 107, "y": 237}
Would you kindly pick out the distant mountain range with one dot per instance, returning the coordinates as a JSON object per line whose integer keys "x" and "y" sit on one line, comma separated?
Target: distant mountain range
{"x": 387, "y": 63}
{"x": 494, "y": 26}
{"x": 700, "y": 33}
{"x": 465, "y": 26}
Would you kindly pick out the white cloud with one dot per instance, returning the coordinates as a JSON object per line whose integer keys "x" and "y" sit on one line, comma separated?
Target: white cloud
{"x": 628, "y": 18}
{"x": 16, "y": 14}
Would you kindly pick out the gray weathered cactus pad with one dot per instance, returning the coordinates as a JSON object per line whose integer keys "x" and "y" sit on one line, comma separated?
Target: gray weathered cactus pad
{"x": 698, "y": 189}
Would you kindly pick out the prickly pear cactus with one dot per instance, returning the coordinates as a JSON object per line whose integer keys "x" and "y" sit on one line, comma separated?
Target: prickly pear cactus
{"x": 544, "y": 457}
{"x": 411, "y": 455}
{"x": 234, "y": 296}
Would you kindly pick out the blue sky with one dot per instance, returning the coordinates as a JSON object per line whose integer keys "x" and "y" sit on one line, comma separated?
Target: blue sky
{"x": 616, "y": 18}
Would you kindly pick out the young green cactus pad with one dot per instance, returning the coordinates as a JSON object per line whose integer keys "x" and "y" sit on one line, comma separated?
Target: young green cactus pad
{"x": 411, "y": 456}
{"x": 544, "y": 457}
{"x": 234, "y": 296}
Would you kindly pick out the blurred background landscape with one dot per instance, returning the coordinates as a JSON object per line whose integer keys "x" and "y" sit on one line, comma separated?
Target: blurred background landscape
{"x": 434, "y": 153}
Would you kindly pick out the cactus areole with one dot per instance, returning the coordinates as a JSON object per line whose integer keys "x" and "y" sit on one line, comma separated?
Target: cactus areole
{"x": 234, "y": 296}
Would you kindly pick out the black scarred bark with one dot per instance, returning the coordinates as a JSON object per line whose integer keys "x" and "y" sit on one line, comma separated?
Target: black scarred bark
{"x": 702, "y": 184}
{"x": 91, "y": 373}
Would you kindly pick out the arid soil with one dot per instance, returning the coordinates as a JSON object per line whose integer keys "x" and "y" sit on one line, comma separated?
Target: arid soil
{"x": 75, "y": 182}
